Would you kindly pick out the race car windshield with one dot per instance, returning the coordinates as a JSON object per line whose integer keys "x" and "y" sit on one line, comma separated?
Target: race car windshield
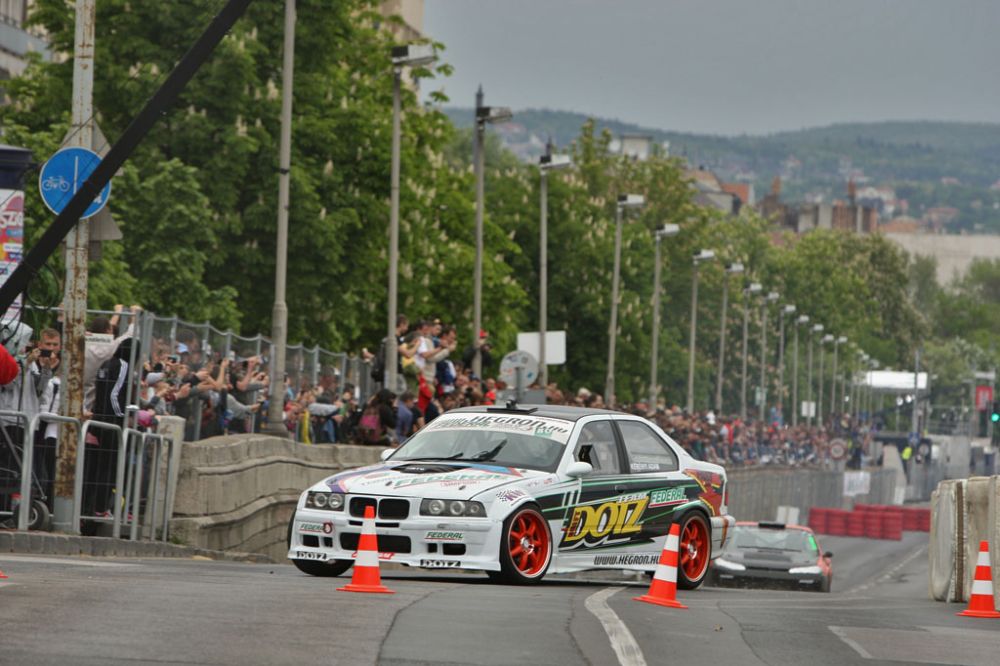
{"x": 538, "y": 445}
{"x": 749, "y": 537}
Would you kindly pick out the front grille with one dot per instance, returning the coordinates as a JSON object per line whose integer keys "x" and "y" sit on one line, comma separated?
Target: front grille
{"x": 310, "y": 540}
{"x": 387, "y": 509}
{"x": 358, "y": 505}
{"x": 394, "y": 509}
{"x": 387, "y": 543}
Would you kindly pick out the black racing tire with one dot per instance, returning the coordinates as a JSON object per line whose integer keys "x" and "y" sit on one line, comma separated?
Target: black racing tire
{"x": 313, "y": 568}
{"x": 695, "y": 550}
{"x": 825, "y": 584}
{"x": 39, "y": 518}
{"x": 526, "y": 548}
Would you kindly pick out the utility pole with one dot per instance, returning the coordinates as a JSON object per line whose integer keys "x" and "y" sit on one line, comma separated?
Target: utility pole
{"x": 391, "y": 360}
{"x": 609, "y": 381}
{"x": 655, "y": 348}
{"x": 279, "y": 316}
{"x": 77, "y": 256}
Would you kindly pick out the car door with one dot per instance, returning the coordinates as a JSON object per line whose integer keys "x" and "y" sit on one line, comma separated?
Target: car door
{"x": 653, "y": 466}
{"x": 603, "y": 521}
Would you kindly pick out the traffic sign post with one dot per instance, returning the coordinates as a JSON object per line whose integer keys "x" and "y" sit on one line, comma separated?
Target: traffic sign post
{"x": 64, "y": 174}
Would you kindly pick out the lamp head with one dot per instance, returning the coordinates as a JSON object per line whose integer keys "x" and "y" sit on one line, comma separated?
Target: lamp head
{"x": 817, "y": 328}
{"x": 803, "y": 319}
{"x": 827, "y": 338}
{"x": 704, "y": 255}
{"x": 842, "y": 339}
{"x": 735, "y": 267}
{"x": 547, "y": 162}
{"x": 631, "y": 200}
{"x": 754, "y": 288}
{"x": 667, "y": 230}
{"x": 493, "y": 114}
{"x": 413, "y": 55}
{"x": 789, "y": 309}
{"x": 772, "y": 297}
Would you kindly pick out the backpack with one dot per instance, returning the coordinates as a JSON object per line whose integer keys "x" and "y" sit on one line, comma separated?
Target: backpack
{"x": 370, "y": 426}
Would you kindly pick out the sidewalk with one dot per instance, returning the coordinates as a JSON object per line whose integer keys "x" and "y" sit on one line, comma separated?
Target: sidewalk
{"x": 44, "y": 543}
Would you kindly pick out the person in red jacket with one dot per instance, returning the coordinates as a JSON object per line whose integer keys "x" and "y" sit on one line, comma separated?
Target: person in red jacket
{"x": 8, "y": 367}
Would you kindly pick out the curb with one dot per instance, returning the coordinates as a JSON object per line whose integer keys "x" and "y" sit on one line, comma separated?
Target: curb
{"x": 42, "y": 543}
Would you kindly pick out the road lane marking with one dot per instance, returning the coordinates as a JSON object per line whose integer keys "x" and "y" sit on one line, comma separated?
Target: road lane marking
{"x": 622, "y": 640}
{"x": 842, "y": 635}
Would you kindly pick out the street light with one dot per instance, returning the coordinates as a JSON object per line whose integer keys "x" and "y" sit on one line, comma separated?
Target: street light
{"x": 661, "y": 233}
{"x": 410, "y": 55}
{"x": 699, "y": 257}
{"x": 833, "y": 384}
{"x": 546, "y": 163}
{"x": 822, "y": 353}
{"x": 786, "y": 310}
{"x": 484, "y": 115}
{"x": 731, "y": 269}
{"x": 624, "y": 201}
{"x": 817, "y": 328}
{"x": 770, "y": 298}
{"x": 754, "y": 288}
{"x": 803, "y": 319}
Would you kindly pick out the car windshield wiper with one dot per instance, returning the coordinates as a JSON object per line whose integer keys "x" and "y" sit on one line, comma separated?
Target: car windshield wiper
{"x": 457, "y": 456}
{"x": 484, "y": 456}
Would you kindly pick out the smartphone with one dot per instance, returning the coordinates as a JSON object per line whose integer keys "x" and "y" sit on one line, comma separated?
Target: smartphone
{"x": 45, "y": 353}
{"x": 231, "y": 356}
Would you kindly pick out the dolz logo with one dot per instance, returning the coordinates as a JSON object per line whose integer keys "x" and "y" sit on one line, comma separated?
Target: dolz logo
{"x": 310, "y": 555}
{"x": 611, "y": 522}
{"x": 440, "y": 564}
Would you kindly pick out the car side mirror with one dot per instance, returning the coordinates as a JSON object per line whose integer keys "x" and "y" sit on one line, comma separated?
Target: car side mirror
{"x": 828, "y": 554}
{"x": 579, "y": 468}
{"x": 386, "y": 453}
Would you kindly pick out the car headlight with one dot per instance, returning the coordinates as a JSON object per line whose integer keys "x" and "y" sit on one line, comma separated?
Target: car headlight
{"x": 437, "y": 507}
{"x": 814, "y": 570}
{"x": 325, "y": 501}
{"x": 729, "y": 565}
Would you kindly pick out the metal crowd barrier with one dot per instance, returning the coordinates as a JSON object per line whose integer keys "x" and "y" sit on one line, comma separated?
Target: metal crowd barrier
{"x": 28, "y": 460}
{"x": 133, "y": 486}
{"x": 24, "y": 511}
{"x": 81, "y": 454}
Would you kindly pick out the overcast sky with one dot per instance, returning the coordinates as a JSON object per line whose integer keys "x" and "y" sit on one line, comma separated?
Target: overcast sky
{"x": 726, "y": 66}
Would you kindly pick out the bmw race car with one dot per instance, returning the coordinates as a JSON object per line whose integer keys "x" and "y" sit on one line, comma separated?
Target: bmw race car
{"x": 519, "y": 491}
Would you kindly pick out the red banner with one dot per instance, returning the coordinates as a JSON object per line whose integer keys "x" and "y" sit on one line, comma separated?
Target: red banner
{"x": 984, "y": 397}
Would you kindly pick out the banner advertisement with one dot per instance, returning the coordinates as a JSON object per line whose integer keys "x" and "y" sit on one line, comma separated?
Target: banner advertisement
{"x": 11, "y": 239}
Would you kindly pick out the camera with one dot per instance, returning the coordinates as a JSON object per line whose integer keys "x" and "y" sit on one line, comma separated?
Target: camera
{"x": 45, "y": 353}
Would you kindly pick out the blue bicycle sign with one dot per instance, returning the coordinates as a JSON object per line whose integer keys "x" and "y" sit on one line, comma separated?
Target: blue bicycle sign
{"x": 64, "y": 174}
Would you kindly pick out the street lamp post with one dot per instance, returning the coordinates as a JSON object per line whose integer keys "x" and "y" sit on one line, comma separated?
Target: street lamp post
{"x": 822, "y": 353}
{"x": 484, "y": 115}
{"x": 803, "y": 319}
{"x": 411, "y": 55}
{"x": 624, "y": 201}
{"x": 786, "y": 310}
{"x": 731, "y": 269}
{"x": 699, "y": 257}
{"x": 833, "y": 384}
{"x": 816, "y": 329}
{"x": 279, "y": 313}
{"x": 754, "y": 288}
{"x": 770, "y": 298}
{"x": 654, "y": 387}
{"x": 546, "y": 163}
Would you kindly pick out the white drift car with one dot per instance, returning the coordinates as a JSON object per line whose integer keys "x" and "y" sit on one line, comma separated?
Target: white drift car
{"x": 519, "y": 491}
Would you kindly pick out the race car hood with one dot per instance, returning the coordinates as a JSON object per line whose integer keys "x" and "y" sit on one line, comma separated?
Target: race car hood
{"x": 769, "y": 559}
{"x": 439, "y": 479}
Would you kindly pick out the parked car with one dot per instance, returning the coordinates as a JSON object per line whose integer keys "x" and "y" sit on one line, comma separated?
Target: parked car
{"x": 773, "y": 555}
{"x": 519, "y": 491}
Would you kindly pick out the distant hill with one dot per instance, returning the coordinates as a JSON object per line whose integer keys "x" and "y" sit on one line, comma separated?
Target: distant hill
{"x": 929, "y": 163}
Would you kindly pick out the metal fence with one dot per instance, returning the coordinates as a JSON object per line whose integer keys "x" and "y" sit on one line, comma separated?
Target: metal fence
{"x": 156, "y": 338}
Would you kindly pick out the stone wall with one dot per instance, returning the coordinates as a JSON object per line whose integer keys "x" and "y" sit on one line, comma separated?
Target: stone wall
{"x": 237, "y": 493}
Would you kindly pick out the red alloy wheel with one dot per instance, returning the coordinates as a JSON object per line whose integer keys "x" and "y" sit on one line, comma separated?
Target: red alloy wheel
{"x": 528, "y": 543}
{"x": 694, "y": 549}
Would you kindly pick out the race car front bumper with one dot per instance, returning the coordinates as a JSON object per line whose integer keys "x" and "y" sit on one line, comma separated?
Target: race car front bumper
{"x": 431, "y": 542}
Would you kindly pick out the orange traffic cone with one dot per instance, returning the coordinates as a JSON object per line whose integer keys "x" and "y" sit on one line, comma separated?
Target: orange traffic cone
{"x": 663, "y": 589}
{"x": 3, "y": 575}
{"x": 981, "y": 599}
{"x": 366, "y": 576}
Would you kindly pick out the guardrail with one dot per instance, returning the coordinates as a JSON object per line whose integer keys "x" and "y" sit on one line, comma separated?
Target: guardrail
{"x": 128, "y": 473}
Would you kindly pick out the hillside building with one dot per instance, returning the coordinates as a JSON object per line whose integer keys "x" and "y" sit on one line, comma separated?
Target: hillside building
{"x": 16, "y": 39}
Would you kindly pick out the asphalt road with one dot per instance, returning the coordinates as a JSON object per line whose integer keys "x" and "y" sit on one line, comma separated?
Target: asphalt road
{"x": 116, "y": 611}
